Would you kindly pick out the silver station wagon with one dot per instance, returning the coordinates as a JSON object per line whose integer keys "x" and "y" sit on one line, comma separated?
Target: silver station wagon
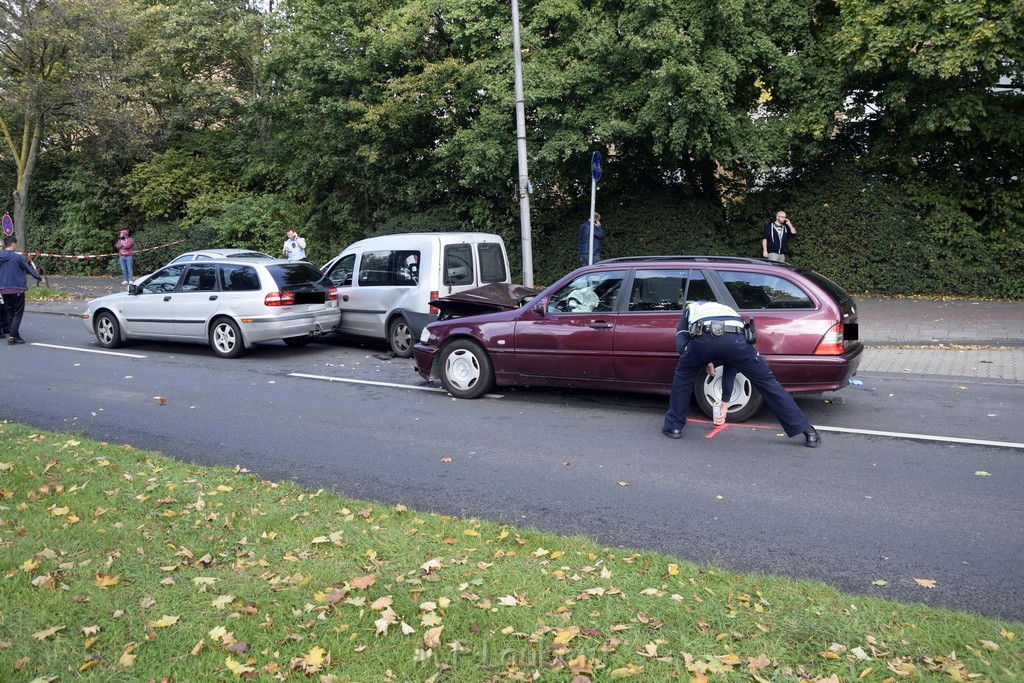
{"x": 230, "y": 304}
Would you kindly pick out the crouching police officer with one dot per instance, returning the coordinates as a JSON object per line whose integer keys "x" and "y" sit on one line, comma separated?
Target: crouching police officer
{"x": 711, "y": 332}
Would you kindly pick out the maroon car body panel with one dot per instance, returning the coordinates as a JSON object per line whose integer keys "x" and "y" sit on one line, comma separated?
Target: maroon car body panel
{"x": 635, "y": 350}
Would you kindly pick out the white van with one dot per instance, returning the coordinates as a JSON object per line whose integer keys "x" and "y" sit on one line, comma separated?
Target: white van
{"x": 385, "y": 283}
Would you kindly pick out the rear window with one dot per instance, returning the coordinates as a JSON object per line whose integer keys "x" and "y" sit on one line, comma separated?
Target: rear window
{"x": 837, "y": 293}
{"x": 458, "y": 264}
{"x": 296, "y": 274}
{"x": 492, "y": 262}
{"x": 759, "y": 291}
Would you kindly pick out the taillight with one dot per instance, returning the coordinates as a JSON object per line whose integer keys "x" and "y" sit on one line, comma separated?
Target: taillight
{"x": 279, "y": 299}
{"x": 832, "y": 343}
{"x": 332, "y": 294}
{"x": 434, "y": 310}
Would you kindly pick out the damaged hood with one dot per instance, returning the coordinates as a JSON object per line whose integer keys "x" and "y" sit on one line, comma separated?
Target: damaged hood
{"x": 497, "y": 296}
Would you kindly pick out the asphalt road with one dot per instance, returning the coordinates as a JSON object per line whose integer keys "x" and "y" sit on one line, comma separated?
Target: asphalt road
{"x": 863, "y": 507}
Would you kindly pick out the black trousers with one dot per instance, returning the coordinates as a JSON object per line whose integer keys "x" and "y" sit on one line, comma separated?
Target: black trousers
{"x": 14, "y": 304}
{"x": 736, "y": 353}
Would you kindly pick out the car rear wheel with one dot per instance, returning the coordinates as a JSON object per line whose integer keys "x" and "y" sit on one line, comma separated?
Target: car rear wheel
{"x": 400, "y": 338}
{"x": 298, "y": 341}
{"x": 226, "y": 338}
{"x": 466, "y": 370}
{"x": 745, "y": 401}
{"x": 108, "y": 331}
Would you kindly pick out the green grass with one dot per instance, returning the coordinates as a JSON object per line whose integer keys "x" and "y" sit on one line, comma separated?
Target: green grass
{"x": 33, "y": 293}
{"x": 122, "y": 565}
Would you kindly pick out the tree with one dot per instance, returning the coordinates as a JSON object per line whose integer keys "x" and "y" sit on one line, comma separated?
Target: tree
{"x": 57, "y": 81}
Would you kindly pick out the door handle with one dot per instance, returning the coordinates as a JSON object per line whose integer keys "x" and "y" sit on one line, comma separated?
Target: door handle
{"x": 600, "y": 325}
{"x": 167, "y": 298}
{"x": 213, "y": 297}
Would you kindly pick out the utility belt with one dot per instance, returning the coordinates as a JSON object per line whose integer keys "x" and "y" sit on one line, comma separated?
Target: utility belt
{"x": 719, "y": 327}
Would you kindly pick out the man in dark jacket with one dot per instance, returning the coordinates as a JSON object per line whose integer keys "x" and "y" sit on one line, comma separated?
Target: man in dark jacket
{"x": 12, "y": 285}
{"x": 584, "y": 241}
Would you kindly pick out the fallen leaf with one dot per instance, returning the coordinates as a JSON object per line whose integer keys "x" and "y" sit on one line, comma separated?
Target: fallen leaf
{"x": 103, "y": 581}
{"x": 926, "y": 583}
{"x": 160, "y": 400}
{"x": 432, "y": 638}
{"x": 164, "y": 622}
{"x": 48, "y": 632}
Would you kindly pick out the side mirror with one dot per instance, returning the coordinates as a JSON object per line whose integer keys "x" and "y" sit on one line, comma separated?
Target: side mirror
{"x": 540, "y": 308}
{"x": 134, "y": 289}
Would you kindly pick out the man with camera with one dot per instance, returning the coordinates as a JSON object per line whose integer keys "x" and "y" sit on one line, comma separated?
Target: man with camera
{"x": 775, "y": 236}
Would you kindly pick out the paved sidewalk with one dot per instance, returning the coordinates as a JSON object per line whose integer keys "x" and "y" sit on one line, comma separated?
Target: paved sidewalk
{"x": 914, "y": 337}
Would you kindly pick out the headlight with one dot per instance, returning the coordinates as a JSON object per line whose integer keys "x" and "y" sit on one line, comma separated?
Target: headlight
{"x": 424, "y": 336}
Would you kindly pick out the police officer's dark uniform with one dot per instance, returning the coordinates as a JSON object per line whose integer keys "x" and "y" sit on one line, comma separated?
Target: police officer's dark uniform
{"x": 712, "y": 332}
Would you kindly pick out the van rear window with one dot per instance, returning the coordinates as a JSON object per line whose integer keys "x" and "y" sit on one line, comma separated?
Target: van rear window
{"x": 458, "y": 265}
{"x": 492, "y": 263}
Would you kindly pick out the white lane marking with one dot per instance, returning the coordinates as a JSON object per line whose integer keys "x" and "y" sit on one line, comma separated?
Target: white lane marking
{"x": 76, "y": 348}
{"x": 921, "y": 437}
{"x": 378, "y": 384}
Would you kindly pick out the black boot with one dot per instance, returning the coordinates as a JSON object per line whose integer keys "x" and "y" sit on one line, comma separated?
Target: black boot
{"x": 813, "y": 439}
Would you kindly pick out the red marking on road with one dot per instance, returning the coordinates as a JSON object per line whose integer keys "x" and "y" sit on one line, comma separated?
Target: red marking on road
{"x": 719, "y": 428}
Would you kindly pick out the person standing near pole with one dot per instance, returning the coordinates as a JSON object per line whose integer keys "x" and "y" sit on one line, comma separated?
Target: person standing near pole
{"x": 584, "y": 241}
{"x": 12, "y": 286}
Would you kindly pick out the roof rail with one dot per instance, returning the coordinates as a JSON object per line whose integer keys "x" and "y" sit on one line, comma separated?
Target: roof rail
{"x": 706, "y": 259}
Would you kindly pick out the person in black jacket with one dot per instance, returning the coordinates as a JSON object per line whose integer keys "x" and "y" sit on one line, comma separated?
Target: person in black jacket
{"x": 12, "y": 287}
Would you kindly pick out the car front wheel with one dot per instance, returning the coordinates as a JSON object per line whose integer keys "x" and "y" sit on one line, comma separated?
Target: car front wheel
{"x": 745, "y": 401}
{"x": 466, "y": 370}
{"x": 400, "y": 338}
{"x": 108, "y": 331}
{"x": 226, "y": 338}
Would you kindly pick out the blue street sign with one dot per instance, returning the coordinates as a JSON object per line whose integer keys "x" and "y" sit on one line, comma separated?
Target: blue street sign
{"x": 8, "y": 225}
{"x": 595, "y": 165}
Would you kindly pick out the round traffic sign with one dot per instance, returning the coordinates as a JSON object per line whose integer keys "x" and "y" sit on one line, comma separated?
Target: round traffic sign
{"x": 595, "y": 165}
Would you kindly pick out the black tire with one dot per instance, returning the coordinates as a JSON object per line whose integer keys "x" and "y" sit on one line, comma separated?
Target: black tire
{"x": 466, "y": 370}
{"x": 108, "y": 330}
{"x": 226, "y": 338}
{"x": 746, "y": 399}
{"x": 296, "y": 342}
{"x": 400, "y": 337}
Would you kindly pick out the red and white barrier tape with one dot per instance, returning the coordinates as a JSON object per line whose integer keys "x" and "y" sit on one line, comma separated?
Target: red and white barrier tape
{"x": 37, "y": 254}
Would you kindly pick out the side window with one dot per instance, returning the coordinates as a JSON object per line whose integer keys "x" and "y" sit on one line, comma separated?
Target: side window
{"x": 239, "y": 278}
{"x": 389, "y": 268}
{"x": 589, "y": 293}
{"x": 699, "y": 289}
{"x": 754, "y": 291}
{"x": 492, "y": 262}
{"x": 658, "y": 290}
{"x": 374, "y": 269}
{"x": 340, "y": 273}
{"x": 458, "y": 264}
{"x": 200, "y": 278}
{"x": 165, "y": 280}
{"x": 406, "y": 270}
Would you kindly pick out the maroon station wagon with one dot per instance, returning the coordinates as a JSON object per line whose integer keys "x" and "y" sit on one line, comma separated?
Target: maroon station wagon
{"x": 612, "y": 326}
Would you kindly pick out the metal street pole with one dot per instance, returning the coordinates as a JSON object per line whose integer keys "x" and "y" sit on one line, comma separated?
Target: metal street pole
{"x": 524, "y": 177}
